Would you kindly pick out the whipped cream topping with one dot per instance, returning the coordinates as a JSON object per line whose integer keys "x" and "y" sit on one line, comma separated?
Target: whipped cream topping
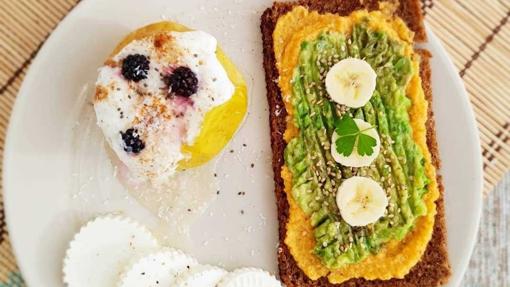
{"x": 163, "y": 121}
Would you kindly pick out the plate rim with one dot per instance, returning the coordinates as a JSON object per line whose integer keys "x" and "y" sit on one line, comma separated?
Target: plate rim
{"x": 13, "y": 119}
{"x": 456, "y": 278}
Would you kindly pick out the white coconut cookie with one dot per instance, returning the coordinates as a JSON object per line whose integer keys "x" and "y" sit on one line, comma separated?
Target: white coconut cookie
{"x": 157, "y": 269}
{"x": 200, "y": 275}
{"x": 249, "y": 277}
{"x": 100, "y": 250}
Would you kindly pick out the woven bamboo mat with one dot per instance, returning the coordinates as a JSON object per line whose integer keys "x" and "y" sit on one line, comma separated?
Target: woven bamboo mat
{"x": 475, "y": 33}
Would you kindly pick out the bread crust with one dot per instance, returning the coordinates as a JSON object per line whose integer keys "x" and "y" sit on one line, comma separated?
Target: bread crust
{"x": 433, "y": 269}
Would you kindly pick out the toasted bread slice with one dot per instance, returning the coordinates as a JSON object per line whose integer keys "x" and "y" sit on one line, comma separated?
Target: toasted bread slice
{"x": 433, "y": 269}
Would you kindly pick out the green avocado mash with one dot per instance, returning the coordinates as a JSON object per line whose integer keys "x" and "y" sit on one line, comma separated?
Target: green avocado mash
{"x": 399, "y": 168}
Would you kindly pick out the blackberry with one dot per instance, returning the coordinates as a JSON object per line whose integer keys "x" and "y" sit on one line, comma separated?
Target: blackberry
{"x": 182, "y": 82}
{"x": 135, "y": 67}
{"x": 132, "y": 141}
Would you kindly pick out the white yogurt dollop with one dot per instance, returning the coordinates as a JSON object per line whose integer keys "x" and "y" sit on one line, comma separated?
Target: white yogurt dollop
{"x": 164, "y": 122}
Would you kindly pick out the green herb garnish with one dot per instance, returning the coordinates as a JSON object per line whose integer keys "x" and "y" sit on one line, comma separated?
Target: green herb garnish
{"x": 349, "y": 135}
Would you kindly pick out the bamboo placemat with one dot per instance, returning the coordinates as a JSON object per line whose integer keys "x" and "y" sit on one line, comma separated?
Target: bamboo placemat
{"x": 475, "y": 33}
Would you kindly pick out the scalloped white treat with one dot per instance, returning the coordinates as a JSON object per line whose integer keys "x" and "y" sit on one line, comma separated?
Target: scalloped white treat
{"x": 157, "y": 269}
{"x": 249, "y": 277}
{"x": 200, "y": 276}
{"x": 100, "y": 250}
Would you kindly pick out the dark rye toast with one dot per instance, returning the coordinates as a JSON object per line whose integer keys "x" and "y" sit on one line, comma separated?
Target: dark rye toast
{"x": 433, "y": 269}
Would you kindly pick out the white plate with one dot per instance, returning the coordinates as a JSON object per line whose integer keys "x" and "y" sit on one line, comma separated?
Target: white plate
{"x": 56, "y": 174}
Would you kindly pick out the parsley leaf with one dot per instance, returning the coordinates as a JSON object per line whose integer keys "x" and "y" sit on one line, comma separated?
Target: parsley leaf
{"x": 345, "y": 145}
{"x": 350, "y": 135}
{"x": 366, "y": 144}
{"x": 346, "y": 126}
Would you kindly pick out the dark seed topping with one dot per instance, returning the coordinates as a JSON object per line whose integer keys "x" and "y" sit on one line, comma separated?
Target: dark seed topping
{"x": 135, "y": 67}
{"x": 182, "y": 82}
{"x": 132, "y": 141}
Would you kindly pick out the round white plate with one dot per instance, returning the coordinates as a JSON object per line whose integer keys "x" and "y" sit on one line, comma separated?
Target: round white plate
{"x": 57, "y": 175}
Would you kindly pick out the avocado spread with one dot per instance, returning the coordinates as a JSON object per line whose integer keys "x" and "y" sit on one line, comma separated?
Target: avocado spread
{"x": 399, "y": 168}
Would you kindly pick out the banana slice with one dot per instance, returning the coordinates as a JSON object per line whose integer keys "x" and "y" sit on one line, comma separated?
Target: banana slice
{"x": 157, "y": 269}
{"x": 351, "y": 82}
{"x": 355, "y": 159}
{"x": 249, "y": 277}
{"x": 361, "y": 201}
{"x": 101, "y": 249}
{"x": 200, "y": 276}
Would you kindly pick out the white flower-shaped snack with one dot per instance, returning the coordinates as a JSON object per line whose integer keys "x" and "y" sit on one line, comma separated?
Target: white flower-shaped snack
{"x": 100, "y": 250}
{"x": 157, "y": 269}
